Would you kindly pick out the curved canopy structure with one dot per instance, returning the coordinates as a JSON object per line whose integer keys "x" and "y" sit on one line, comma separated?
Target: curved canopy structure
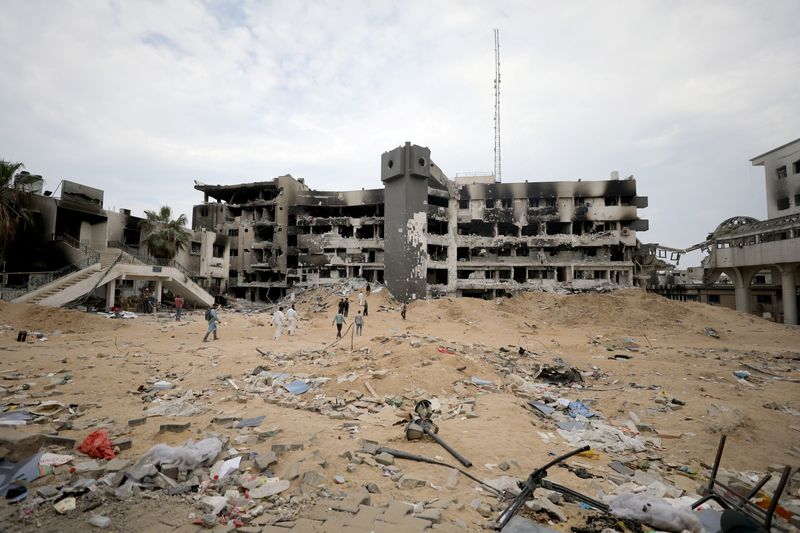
{"x": 734, "y": 222}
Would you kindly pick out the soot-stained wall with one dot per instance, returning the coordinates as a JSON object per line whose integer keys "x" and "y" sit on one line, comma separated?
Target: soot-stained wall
{"x": 405, "y": 172}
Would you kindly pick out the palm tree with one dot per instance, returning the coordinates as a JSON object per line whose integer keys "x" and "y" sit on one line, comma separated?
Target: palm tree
{"x": 12, "y": 212}
{"x": 162, "y": 235}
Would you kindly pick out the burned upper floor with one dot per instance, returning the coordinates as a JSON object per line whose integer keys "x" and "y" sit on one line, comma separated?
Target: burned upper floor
{"x": 282, "y": 232}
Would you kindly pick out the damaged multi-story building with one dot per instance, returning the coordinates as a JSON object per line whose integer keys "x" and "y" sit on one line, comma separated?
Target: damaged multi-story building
{"x": 752, "y": 265}
{"x": 424, "y": 234}
{"x": 71, "y": 250}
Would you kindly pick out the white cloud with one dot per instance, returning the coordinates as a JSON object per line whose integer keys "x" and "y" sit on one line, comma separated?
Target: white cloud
{"x": 140, "y": 98}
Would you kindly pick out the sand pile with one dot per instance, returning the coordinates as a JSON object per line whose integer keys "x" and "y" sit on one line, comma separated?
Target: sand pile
{"x": 635, "y": 353}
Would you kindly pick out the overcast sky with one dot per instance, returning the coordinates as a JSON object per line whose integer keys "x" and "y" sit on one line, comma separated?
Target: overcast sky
{"x": 141, "y": 98}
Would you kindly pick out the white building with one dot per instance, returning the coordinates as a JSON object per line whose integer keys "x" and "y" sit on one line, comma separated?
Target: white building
{"x": 782, "y": 173}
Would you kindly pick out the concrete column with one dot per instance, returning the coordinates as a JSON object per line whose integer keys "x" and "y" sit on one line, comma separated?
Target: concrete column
{"x": 452, "y": 244}
{"x": 741, "y": 285}
{"x": 788, "y": 284}
{"x": 404, "y": 172}
{"x": 742, "y": 295}
{"x": 159, "y": 287}
{"x": 111, "y": 288}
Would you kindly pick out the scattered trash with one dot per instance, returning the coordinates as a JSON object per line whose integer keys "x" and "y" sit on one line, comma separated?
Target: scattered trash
{"x": 187, "y": 457}
{"x": 656, "y": 513}
{"x": 54, "y": 459}
{"x": 223, "y": 468}
{"x": 711, "y": 332}
{"x": 11, "y": 471}
{"x": 352, "y": 376}
{"x": 480, "y": 382}
{"x": 64, "y": 506}
{"x": 48, "y": 408}
{"x": 723, "y": 419}
{"x": 542, "y": 408}
{"x": 559, "y": 373}
{"x": 297, "y": 387}
{"x": 577, "y": 408}
{"x": 742, "y": 374}
{"x": 621, "y": 356}
{"x": 250, "y": 422}
{"x": 99, "y": 521}
{"x": 14, "y": 418}
{"x": 97, "y": 445}
{"x": 183, "y": 406}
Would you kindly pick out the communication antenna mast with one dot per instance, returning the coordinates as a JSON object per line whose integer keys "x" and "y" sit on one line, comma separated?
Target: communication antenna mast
{"x": 497, "y": 105}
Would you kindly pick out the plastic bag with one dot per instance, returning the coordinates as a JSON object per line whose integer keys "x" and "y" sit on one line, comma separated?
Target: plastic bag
{"x": 97, "y": 445}
{"x": 187, "y": 457}
{"x": 656, "y": 513}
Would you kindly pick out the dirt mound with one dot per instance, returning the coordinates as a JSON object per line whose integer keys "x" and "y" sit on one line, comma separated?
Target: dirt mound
{"x": 49, "y": 319}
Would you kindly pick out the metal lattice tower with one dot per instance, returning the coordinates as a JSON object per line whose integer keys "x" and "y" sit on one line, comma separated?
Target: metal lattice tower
{"x": 497, "y": 105}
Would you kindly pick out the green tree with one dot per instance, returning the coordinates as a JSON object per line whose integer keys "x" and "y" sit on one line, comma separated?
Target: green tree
{"x": 12, "y": 211}
{"x": 163, "y": 236}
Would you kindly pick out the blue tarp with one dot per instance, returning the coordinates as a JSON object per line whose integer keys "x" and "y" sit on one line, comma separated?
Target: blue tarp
{"x": 579, "y": 408}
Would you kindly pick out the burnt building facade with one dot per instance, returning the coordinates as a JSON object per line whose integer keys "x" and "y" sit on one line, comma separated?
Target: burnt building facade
{"x": 425, "y": 234}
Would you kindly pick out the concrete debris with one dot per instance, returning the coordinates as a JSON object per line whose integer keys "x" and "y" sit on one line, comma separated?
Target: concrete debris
{"x": 292, "y": 440}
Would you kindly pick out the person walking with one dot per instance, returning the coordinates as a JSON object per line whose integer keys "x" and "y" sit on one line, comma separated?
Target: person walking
{"x": 366, "y": 307}
{"x": 277, "y": 321}
{"x": 359, "y": 321}
{"x": 403, "y": 311}
{"x": 291, "y": 318}
{"x": 339, "y": 321}
{"x": 178, "y": 307}
{"x": 368, "y": 289}
{"x": 212, "y": 317}
{"x": 360, "y": 299}
{"x": 346, "y": 306}
{"x": 341, "y": 306}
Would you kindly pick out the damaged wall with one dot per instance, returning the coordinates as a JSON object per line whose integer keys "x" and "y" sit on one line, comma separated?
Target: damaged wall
{"x": 425, "y": 234}
{"x": 404, "y": 172}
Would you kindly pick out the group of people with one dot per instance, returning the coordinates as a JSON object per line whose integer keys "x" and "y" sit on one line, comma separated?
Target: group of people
{"x": 279, "y": 318}
{"x": 358, "y": 320}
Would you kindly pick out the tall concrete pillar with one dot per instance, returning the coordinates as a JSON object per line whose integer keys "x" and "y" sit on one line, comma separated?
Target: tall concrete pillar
{"x": 159, "y": 287}
{"x": 452, "y": 245}
{"x": 111, "y": 288}
{"x": 742, "y": 295}
{"x": 788, "y": 291}
{"x": 405, "y": 172}
{"x": 741, "y": 286}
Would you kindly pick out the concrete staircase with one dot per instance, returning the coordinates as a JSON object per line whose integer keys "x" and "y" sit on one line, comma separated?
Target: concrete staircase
{"x": 72, "y": 286}
{"x": 64, "y": 289}
{"x": 108, "y": 256}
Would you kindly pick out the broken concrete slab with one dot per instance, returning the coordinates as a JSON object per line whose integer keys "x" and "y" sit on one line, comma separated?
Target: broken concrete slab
{"x": 409, "y": 482}
{"x": 270, "y": 488}
{"x": 263, "y": 461}
{"x": 384, "y": 458}
{"x": 174, "y": 428}
{"x": 117, "y": 464}
{"x": 544, "y": 504}
{"x": 432, "y": 515}
{"x": 123, "y": 444}
{"x": 520, "y": 524}
{"x": 352, "y": 502}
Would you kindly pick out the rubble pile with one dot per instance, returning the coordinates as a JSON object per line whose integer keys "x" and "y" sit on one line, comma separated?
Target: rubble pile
{"x": 252, "y": 435}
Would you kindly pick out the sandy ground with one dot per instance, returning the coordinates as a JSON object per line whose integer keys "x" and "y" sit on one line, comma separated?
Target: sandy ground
{"x": 671, "y": 356}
